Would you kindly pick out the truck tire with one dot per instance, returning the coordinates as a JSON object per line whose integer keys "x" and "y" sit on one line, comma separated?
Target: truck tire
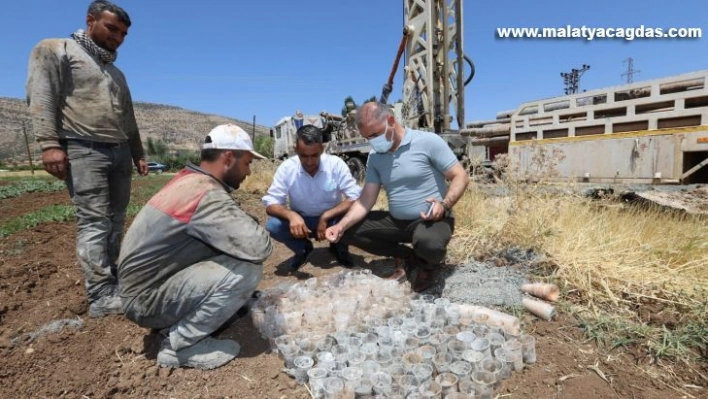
{"x": 358, "y": 168}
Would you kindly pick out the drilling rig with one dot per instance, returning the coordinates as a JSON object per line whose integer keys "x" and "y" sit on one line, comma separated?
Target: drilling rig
{"x": 435, "y": 73}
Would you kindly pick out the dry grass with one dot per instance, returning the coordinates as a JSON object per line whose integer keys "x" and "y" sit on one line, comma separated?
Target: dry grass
{"x": 261, "y": 177}
{"x": 610, "y": 258}
{"x": 605, "y": 251}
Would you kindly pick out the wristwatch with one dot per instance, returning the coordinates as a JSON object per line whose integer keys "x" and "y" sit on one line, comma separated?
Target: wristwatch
{"x": 448, "y": 210}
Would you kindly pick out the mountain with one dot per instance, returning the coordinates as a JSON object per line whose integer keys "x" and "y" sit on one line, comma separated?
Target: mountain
{"x": 180, "y": 128}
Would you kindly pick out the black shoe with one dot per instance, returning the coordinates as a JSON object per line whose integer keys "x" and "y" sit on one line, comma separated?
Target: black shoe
{"x": 300, "y": 259}
{"x": 341, "y": 253}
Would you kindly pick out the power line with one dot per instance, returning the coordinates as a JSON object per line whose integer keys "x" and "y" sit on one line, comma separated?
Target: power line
{"x": 572, "y": 79}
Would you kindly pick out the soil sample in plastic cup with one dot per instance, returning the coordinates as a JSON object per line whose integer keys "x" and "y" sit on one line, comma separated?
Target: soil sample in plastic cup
{"x": 430, "y": 390}
{"x": 333, "y": 388}
{"x": 301, "y": 365}
{"x": 381, "y": 382}
{"x": 448, "y": 382}
{"x": 316, "y": 377}
{"x": 351, "y": 377}
{"x": 528, "y": 348}
{"x": 442, "y": 361}
{"x": 484, "y": 383}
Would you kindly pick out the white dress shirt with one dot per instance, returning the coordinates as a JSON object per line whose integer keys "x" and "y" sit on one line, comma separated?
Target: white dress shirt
{"x": 312, "y": 195}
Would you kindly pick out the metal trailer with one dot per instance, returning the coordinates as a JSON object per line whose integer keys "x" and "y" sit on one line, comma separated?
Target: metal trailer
{"x": 654, "y": 132}
{"x": 284, "y": 132}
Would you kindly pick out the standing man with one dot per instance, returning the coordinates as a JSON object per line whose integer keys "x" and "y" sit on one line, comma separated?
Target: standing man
{"x": 192, "y": 257}
{"x": 83, "y": 119}
{"x": 413, "y": 168}
{"x": 313, "y": 183}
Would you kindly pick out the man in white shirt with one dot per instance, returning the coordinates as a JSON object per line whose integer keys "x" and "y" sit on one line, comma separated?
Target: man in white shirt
{"x": 319, "y": 189}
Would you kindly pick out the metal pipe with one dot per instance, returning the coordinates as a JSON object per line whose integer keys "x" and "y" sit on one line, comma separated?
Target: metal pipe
{"x": 488, "y": 130}
{"x": 460, "y": 65}
{"x": 489, "y": 140}
{"x": 388, "y": 87}
{"x": 489, "y": 122}
{"x": 445, "y": 68}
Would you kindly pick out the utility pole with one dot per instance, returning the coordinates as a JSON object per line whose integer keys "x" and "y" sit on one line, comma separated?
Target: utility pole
{"x": 630, "y": 69}
{"x": 29, "y": 154}
{"x": 254, "y": 130}
{"x": 572, "y": 79}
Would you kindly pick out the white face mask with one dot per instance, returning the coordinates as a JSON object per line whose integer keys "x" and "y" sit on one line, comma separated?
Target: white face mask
{"x": 381, "y": 143}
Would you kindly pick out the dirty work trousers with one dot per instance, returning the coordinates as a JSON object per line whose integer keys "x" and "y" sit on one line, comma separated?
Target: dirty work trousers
{"x": 381, "y": 234}
{"x": 196, "y": 301}
{"x": 99, "y": 180}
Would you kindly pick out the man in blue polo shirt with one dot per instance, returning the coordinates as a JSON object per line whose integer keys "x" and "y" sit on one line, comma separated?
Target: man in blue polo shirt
{"x": 414, "y": 168}
{"x": 314, "y": 184}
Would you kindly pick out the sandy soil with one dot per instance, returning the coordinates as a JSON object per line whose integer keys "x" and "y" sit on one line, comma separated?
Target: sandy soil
{"x": 40, "y": 281}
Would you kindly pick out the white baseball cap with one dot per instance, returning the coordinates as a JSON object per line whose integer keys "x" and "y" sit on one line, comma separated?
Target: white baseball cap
{"x": 230, "y": 137}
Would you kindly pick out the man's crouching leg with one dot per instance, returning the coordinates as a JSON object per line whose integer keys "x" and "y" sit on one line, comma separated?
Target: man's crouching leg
{"x": 193, "y": 304}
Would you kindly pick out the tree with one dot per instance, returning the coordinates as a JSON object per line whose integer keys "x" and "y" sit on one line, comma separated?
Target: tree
{"x": 264, "y": 146}
{"x": 157, "y": 148}
{"x": 345, "y": 110}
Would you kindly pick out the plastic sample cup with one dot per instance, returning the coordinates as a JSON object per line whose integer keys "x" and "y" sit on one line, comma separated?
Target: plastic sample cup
{"x": 448, "y": 382}
{"x": 494, "y": 366}
{"x": 325, "y": 359}
{"x": 430, "y": 389}
{"x": 467, "y": 386}
{"x": 283, "y": 340}
{"x": 333, "y": 387}
{"x": 384, "y": 359}
{"x": 396, "y": 371}
{"x": 514, "y": 353}
{"x": 461, "y": 369}
{"x": 369, "y": 367}
{"x": 316, "y": 377}
{"x": 423, "y": 334}
{"x": 456, "y": 348}
{"x": 427, "y": 352}
{"x": 301, "y": 365}
{"x": 381, "y": 382}
{"x": 351, "y": 377}
{"x": 308, "y": 347}
{"x": 369, "y": 350}
{"x": 442, "y": 362}
{"x": 422, "y": 372}
{"x": 528, "y": 348}
{"x": 473, "y": 357}
{"x": 484, "y": 383}
{"x": 507, "y": 366}
{"x": 326, "y": 343}
{"x": 409, "y": 383}
{"x": 496, "y": 340}
{"x": 481, "y": 345}
{"x": 288, "y": 353}
{"x": 363, "y": 389}
{"x": 466, "y": 336}
{"x": 355, "y": 358}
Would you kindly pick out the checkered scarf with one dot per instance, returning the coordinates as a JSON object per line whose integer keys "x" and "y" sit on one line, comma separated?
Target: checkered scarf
{"x": 104, "y": 55}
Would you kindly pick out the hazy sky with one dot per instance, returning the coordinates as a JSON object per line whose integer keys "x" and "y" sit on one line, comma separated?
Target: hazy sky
{"x": 271, "y": 58}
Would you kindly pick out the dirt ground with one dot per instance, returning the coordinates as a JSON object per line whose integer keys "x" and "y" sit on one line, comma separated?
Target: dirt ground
{"x": 40, "y": 281}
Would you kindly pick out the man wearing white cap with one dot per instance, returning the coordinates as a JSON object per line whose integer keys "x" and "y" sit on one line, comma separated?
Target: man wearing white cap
{"x": 192, "y": 257}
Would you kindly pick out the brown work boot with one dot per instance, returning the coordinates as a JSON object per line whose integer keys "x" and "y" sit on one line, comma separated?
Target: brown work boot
{"x": 424, "y": 279}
